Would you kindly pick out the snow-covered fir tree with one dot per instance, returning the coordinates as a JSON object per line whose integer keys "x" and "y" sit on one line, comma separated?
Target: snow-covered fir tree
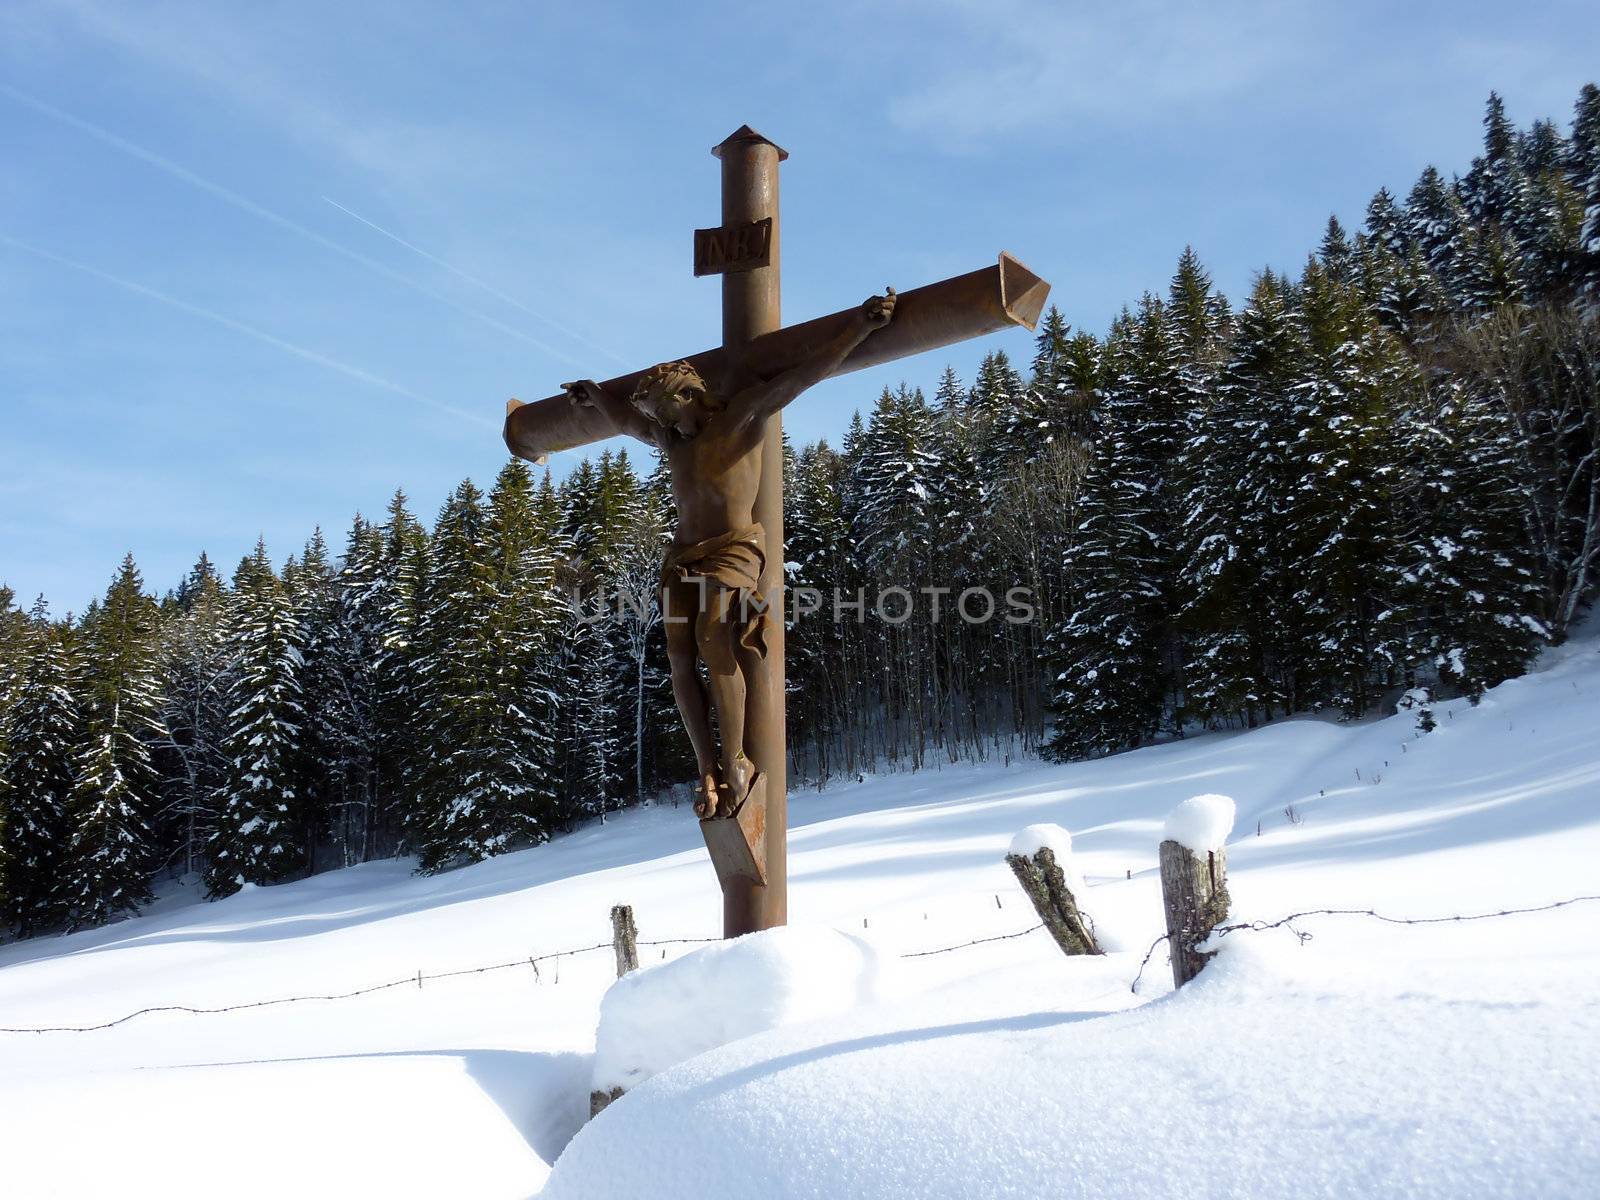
{"x": 111, "y": 853}
{"x": 349, "y": 733}
{"x": 394, "y": 614}
{"x": 1111, "y": 686}
{"x": 37, "y": 777}
{"x": 313, "y": 589}
{"x": 1339, "y": 519}
{"x": 1234, "y": 577}
{"x": 258, "y": 819}
{"x": 195, "y": 715}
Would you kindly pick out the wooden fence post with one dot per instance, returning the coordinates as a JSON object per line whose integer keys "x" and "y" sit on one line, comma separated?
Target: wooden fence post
{"x": 624, "y": 939}
{"x": 1194, "y": 890}
{"x": 1045, "y": 883}
{"x": 598, "y": 1101}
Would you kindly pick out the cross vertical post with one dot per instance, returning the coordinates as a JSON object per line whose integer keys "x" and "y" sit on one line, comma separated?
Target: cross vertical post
{"x": 750, "y": 308}
{"x": 708, "y": 414}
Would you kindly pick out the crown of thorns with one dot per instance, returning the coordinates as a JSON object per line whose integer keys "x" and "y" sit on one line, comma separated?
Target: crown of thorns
{"x": 668, "y": 379}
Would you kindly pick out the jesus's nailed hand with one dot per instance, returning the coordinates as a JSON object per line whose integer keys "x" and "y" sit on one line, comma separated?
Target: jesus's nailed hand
{"x": 582, "y": 392}
{"x": 878, "y": 311}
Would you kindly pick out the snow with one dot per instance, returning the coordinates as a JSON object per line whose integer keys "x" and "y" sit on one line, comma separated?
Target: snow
{"x": 1048, "y": 836}
{"x": 1201, "y": 823}
{"x": 660, "y": 1016}
{"x": 1433, "y": 1060}
{"x": 1034, "y": 838}
{"x": 1252, "y": 1082}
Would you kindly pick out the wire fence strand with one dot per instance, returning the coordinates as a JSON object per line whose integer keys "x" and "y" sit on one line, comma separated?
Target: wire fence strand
{"x": 1304, "y": 936}
{"x": 999, "y": 937}
{"x": 532, "y": 961}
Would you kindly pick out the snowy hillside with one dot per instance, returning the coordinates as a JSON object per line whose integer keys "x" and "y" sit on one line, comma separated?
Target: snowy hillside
{"x": 1375, "y": 1059}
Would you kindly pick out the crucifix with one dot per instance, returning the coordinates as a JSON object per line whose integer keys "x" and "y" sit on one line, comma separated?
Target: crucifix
{"x": 716, "y": 417}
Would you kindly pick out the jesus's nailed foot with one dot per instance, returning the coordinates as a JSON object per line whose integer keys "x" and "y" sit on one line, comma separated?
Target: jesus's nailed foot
{"x": 753, "y": 791}
{"x": 705, "y": 804}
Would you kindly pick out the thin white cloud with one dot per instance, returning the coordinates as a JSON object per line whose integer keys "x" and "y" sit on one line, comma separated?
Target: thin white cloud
{"x": 237, "y": 326}
{"x": 241, "y": 52}
{"x": 476, "y": 282}
{"x": 246, "y": 205}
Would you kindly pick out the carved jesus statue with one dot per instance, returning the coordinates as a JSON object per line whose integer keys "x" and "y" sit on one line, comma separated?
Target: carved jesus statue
{"x": 711, "y": 603}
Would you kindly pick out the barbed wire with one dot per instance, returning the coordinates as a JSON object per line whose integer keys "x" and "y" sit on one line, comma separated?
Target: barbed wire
{"x": 999, "y": 937}
{"x": 416, "y": 980}
{"x": 532, "y": 961}
{"x": 1304, "y": 936}
{"x": 422, "y": 977}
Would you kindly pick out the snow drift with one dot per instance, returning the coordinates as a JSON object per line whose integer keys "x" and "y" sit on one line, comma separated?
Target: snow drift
{"x": 657, "y": 1017}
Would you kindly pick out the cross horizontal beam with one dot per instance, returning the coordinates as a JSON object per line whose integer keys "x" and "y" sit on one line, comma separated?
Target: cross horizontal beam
{"x": 926, "y": 318}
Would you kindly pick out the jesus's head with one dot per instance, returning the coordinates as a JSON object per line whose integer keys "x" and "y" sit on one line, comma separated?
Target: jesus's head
{"x": 675, "y": 397}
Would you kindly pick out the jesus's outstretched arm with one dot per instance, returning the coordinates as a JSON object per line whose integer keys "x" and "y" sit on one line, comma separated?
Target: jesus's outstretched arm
{"x": 767, "y": 398}
{"x": 623, "y": 415}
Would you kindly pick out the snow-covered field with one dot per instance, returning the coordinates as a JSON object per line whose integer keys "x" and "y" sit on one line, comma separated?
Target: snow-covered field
{"x": 1374, "y": 1060}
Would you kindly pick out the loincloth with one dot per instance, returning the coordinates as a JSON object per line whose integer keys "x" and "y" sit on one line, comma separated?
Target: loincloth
{"x": 732, "y": 563}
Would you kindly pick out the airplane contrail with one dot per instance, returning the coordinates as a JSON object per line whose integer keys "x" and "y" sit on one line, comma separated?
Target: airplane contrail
{"x": 250, "y": 331}
{"x": 476, "y": 282}
{"x": 228, "y": 196}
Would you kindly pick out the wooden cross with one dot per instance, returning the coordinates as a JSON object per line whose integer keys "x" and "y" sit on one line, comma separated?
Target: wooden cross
{"x": 748, "y": 847}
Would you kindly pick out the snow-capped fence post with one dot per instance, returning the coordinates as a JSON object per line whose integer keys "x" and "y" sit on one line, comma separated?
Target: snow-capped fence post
{"x": 1040, "y": 857}
{"x": 625, "y": 941}
{"x": 624, "y": 938}
{"x": 1194, "y": 879}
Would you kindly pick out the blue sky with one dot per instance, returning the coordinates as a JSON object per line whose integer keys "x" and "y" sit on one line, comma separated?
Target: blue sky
{"x": 261, "y": 264}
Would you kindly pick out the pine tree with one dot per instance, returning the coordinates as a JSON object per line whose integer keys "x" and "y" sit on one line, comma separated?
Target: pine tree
{"x": 15, "y": 646}
{"x": 195, "y": 715}
{"x": 13, "y": 664}
{"x": 1470, "y": 583}
{"x": 895, "y": 516}
{"x": 313, "y": 591}
{"x": 821, "y": 559}
{"x": 526, "y": 620}
{"x": 111, "y": 855}
{"x": 37, "y": 779}
{"x": 345, "y": 722}
{"x": 597, "y": 757}
{"x": 446, "y": 823}
{"x": 1047, "y": 414}
{"x": 999, "y": 412}
{"x": 259, "y": 804}
{"x": 1435, "y": 228}
{"x": 1385, "y": 226}
{"x": 393, "y": 614}
{"x": 1407, "y": 296}
{"x": 1111, "y": 684}
{"x": 1339, "y": 519}
{"x": 108, "y": 860}
{"x": 1235, "y": 580}
{"x": 1583, "y": 177}
{"x": 1336, "y": 253}
{"x": 1491, "y": 272}
{"x": 1489, "y": 190}
{"x": 959, "y": 492}
{"x": 604, "y": 511}
{"x": 638, "y": 633}
{"x": 1549, "y": 231}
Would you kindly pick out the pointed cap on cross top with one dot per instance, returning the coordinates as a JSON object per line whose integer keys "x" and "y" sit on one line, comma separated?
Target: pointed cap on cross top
{"x": 745, "y": 134}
